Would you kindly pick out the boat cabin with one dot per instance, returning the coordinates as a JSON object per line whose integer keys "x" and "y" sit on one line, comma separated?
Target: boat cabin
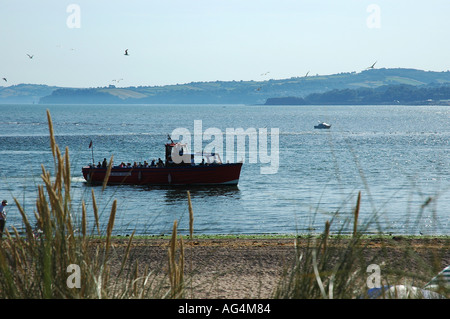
{"x": 177, "y": 153}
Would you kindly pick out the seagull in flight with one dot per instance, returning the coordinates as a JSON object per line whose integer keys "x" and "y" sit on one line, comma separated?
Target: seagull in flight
{"x": 372, "y": 66}
{"x": 126, "y": 52}
{"x": 265, "y": 73}
{"x": 30, "y": 56}
{"x": 306, "y": 74}
{"x": 4, "y": 79}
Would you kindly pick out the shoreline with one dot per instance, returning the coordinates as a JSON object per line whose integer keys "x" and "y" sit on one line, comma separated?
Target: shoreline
{"x": 252, "y": 268}
{"x": 282, "y": 236}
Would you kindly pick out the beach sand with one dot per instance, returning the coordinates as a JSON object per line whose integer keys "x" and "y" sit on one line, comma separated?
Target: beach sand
{"x": 246, "y": 268}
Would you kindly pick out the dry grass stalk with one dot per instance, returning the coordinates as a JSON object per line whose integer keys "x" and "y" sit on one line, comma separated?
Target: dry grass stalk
{"x": 28, "y": 228}
{"x": 127, "y": 253}
{"x": 326, "y": 235}
{"x": 176, "y": 266}
{"x": 110, "y": 227}
{"x": 67, "y": 175}
{"x": 95, "y": 208}
{"x": 356, "y": 214}
{"x": 83, "y": 219}
{"x": 135, "y": 278}
{"x": 317, "y": 275}
{"x": 191, "y": 216}
{"x": 52, "y": 136}
{"x": 108, "y": 172}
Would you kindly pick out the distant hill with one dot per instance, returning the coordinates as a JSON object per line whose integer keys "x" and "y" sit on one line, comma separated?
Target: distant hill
{"x": 24, "y": 93}
{"x": 224, "y": 92}
{"x": 387, "y": 94}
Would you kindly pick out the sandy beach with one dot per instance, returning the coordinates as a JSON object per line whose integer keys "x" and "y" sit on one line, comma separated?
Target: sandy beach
{"x": 248, "y": 268}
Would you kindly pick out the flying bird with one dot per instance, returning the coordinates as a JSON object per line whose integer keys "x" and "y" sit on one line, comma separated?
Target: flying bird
{"x": 372, "y": 66}
{"x": 30, "y": 56}
{"x": 306, "y": 74}
{"x": 126, "y": 52}
{"x": 265, "y": 73}
{"x": 4, "y": 79}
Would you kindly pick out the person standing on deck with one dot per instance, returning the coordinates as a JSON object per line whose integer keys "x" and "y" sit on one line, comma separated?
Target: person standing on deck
{"x": 2, "y": 216}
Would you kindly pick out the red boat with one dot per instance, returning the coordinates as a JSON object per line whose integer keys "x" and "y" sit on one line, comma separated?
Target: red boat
{"x": 183, "y": 171}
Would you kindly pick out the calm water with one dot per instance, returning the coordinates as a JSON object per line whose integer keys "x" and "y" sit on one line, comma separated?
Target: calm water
{"x": 397, "y": 156}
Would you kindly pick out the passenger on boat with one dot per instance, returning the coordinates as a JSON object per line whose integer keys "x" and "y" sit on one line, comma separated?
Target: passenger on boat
{"x": 104, "y": 164}
{"x": 153, "y": 163}
{"x": 160, "y": 163}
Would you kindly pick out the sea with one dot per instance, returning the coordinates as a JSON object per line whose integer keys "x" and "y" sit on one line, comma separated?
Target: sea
{"x": 294, "y": 180}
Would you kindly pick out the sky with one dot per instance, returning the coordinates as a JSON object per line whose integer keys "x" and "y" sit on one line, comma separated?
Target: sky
{"x": 82, "y": 43}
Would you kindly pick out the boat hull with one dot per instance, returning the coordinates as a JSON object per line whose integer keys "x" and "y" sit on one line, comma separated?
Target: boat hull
{"x": 216, "y": 174}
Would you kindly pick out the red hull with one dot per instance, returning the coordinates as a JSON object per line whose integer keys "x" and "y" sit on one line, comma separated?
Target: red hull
{"x": 217, "y": 174}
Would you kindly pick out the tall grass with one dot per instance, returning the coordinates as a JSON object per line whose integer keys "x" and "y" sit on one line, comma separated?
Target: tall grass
{"x": 322, "y": 270}
{"x": 64, "y": 261}
{"x": 338, "y": 268}
{"x": 176, "y": 265}
{"x": 40, "y": 267}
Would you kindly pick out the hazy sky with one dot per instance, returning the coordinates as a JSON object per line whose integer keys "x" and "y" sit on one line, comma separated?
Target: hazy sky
{"x": 82, "y": 43}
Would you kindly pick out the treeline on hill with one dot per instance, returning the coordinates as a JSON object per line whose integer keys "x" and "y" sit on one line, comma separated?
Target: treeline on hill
{"x": 81, "y": 96}
{"x": 387, "y": 94}
{"x": 140, "y": 95}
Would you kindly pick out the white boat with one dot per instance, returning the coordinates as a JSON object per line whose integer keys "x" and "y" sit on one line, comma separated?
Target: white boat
{"x": 322, "y": 125}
